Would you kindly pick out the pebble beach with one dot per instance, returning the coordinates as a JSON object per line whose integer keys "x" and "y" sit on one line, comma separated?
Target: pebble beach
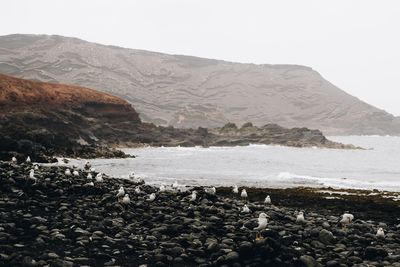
{"x": 54, "y": 219}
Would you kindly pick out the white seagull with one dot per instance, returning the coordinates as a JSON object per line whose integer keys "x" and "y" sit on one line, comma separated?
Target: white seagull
{"x": 151, "y": 197}
{"x": 380, "y": 233}
{"x": 99, "y": 178}
{"x": 14, "y": 160}
{"x": 121, "y": 192}
{"x": 162, "y": 188}
{"x": 300, "y": 217}
{"x": 75, "y": 173}
{"x": 245, "y": 209}
{"x": 28, "y": 159}
{"x": 89, "y": 176}
{"x": 243, "y": 194}
{"x": 193, "y": 196}
{"x": 267, "y": 200}
{"x": 36, "y": 167}
{"x": 347, "y": 218}
{"x": 32, "y": 175}
{"x": 126, "y": 199}
{"x": 67, "y": 172}
{"x": 262, "y": 222}
{"x": 235, "y": 189}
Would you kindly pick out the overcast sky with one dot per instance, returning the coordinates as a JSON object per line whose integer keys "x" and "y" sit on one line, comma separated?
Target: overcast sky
{"x": 355, "y": 44}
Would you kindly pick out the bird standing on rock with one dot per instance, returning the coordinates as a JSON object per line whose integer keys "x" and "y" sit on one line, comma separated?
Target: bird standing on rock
{"x": 175, "y": 185}
{"x": 162, "y": 188}
{"x": 152, "y": 197}
{"x": 262, "y": 224}
{"x": 126, "y": 200}
{"x": 36, "y": 167}
{"x": 32, "y": 175}
{"x": 121, "y": 192}
{"x": 89, "y": 176}
{"x": 99, "y": 177}
{"x": 243, "y": 194}
{"x": 28, "y": 160}
{"x": 347, "y": 218}
{"x": 246, "y": 209}
{"x": 193, "y": 196}
{"x": 267, "y": 200}
{"x": 14, "y": 160}
{"x": 380, "y": 233}
{"x": 300, "y": 217}
{"x": 67, "y": 172}
{"x": 75, "y": 173}
{"x": 235, "y": 189}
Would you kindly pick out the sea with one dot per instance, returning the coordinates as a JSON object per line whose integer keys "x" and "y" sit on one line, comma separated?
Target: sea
{"x": 377, "y": 166}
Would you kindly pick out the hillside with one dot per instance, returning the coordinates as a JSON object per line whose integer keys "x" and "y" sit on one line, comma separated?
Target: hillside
{"x": 42, "y": 119}
{"x": 185, "y": 91}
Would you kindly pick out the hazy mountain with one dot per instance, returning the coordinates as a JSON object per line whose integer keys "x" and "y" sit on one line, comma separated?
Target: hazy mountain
{"x": 186, "y": 91}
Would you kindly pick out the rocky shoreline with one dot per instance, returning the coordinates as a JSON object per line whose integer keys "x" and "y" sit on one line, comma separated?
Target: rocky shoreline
{"x": 54, "y": 218}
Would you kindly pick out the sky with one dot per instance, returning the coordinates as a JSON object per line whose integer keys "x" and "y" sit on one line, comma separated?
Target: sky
{"x": 355, "y": 44}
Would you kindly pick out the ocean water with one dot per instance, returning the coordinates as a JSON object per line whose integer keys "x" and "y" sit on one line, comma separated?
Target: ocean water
{"x": 377, "y": 167}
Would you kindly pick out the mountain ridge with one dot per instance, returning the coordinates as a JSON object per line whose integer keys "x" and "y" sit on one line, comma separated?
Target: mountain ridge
{"x": 187, "y": 91}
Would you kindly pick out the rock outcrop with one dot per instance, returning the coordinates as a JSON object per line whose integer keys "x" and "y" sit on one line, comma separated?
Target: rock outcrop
{"x": 41, "y": 119}
{"x": 188, "y": 92}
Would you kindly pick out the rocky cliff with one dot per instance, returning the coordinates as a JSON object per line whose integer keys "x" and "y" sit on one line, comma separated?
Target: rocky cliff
{"x": 185, "y": 91}
{"x": 41, "y": 119}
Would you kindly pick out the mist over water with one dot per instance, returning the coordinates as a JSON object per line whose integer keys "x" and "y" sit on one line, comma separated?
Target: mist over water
{"x": 378, "y": 167}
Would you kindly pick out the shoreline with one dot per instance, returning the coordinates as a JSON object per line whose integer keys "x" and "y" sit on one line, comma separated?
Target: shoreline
{"x": 71, "y": 222}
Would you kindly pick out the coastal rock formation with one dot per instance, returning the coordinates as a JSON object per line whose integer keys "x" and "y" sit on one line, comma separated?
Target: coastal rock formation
{"x": 40, "y": 119}
{"x": 59, "y": 220}
{"x": 188, "y": 92}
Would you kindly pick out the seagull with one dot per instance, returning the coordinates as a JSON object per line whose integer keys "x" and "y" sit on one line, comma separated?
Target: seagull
{"x": 211, "y": 190}
{"x": 126, "y": 199}
{"x": 346, "y": 219}
{"x": 380, "y": 233}
{"x": 235, "y": 189}
{"x": 262, "y": 221}
{"x": 162, "y": 188}
{"x": 68, "y": 172}
{"x": 137, "y": 190}
{"x": 75, "y": 173}
{"x": 32, "y": 175}
{"x": 99, "y": 178}
{"x": 36, "y": 167}
{"x": 89, "y": 176}
{"x": 121, "y": 192}
{"x": 246, "y": 209}
{"x": 28, "y": 159}
{"x": 14, "y": 160}
{"x": 243, "y": 194}
{"x": 193, "y": 196}
{"x": 267, "y": 200}
{"x": 151, "y": 197}
{"x": 300, "y": 217}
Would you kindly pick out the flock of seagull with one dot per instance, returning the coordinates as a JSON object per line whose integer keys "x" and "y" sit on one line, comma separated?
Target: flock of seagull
{"x": 124, "y": 198}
